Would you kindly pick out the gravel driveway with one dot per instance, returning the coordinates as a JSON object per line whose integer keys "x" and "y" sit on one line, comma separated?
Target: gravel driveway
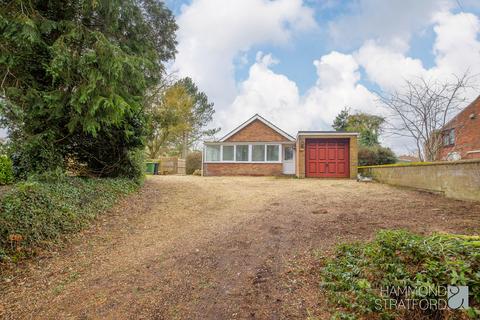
{"x": 218, "y": 248}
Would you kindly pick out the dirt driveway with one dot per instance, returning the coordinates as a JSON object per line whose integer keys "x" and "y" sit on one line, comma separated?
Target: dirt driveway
{"x": 218, "y": 248}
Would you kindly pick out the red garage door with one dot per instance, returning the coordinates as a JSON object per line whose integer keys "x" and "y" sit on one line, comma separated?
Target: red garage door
{"x": 327, "y": 158}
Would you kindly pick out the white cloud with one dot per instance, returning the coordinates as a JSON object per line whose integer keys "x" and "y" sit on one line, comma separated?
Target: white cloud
{"x": 385, "y": 66}
{"x": 213, "y": 32}
{"x": 337, "y": 87}
{"x": 277, "y": 98}
{"x": 456, "y": 47}
{"x": 390, "y": 22}
{"x": 272, "y": 95}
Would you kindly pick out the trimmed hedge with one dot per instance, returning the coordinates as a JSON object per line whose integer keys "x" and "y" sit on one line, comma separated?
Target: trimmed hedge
{"x": 36, "y": 213}
{"x": 359, "y": 278}
{"x": 6, "y": 170}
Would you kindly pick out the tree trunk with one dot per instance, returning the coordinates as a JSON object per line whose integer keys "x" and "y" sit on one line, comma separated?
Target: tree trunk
{"x": 185, "y": 145}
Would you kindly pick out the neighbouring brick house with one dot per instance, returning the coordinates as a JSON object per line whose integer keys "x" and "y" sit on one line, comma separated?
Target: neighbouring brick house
{"x": 259, "y": 148}
{"x": 461, "y": 135}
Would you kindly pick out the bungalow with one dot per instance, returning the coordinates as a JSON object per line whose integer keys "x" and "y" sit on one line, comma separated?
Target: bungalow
{"x": 259, "y": 148}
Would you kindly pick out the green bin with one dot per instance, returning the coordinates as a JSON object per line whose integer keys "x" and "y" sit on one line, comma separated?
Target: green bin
{"x": 150, "y": 168}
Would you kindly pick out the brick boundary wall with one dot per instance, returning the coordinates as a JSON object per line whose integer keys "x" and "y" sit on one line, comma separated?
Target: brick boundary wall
{"x": 455, "y": 179}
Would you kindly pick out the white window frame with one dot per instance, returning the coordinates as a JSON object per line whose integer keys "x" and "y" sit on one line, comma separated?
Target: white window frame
{"x": 212, "y": 161}
{"x": 221, "y": 153}
{"x": 249, "y": 153}
{"x": 264, "y": 153}
{"x": 293, "y": 152}
{"x": 250, "y": 144}
{"x": 279, "y": 153}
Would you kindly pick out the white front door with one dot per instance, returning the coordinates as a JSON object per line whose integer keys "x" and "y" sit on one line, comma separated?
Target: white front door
{"x": 288, "y": 159}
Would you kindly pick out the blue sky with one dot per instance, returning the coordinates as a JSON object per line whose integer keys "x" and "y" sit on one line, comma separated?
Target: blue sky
{"x": 299, "y": 63}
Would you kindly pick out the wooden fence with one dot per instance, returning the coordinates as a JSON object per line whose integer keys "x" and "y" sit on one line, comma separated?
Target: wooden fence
{"x": 181, "y": 167}
{"x": 169, "y": 165}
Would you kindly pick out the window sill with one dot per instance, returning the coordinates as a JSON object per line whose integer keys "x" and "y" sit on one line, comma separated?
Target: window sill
{"x": 244, "y": 162}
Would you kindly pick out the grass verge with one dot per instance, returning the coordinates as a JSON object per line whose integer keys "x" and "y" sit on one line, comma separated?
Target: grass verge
{"x": 35, "y": 214}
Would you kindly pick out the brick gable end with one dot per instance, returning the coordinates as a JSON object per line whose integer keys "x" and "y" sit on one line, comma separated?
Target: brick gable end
{"x": 467, "y": 133}
{"x": 257, "y": 131}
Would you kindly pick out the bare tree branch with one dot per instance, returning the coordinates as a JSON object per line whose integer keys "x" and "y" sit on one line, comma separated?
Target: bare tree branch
{"x": 422, "y": 107}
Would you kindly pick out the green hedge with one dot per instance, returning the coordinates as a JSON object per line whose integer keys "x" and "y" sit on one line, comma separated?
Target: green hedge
{"x": 36, "y": 213}
{"x": 358, "y": 278}
{"x": 375, "y": 155}
{"x": 6, "y": 170}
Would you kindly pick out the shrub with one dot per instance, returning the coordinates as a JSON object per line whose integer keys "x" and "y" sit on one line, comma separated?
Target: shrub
{"x": 37, "y": 154}
{"x": 356, "y": 279}
{"x": 134, "y": 166}
{"x": 6, "y": 170}
{"x": 376, "y": 155}
{"x": 193, "y": 162}
{"x": 38, "y": 211}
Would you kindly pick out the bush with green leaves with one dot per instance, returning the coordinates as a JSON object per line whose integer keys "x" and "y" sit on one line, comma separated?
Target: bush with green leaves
{"x": 356, "y": 279}
{"x": 193, "y": 162}
{"x": 40, "y": 210}
{"x": 6, "y": 170}
{"x": 76, "y": 77}
{"x": 375, "y": 155}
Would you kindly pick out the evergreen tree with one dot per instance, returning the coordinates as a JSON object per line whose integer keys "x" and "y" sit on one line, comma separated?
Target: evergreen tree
{"x": 74, "y": 79}
{"x": 367, "y": 125}
{"x": 341, "y": 120}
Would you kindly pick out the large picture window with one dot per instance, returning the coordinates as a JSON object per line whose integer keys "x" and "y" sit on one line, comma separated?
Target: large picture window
{"x": 258, "y": 152}
{"x": 273, "y": 152}
{"x": 212, "y": 153}
{"x": 254, "y": 152}
{"x": 241, "y": 153}
{"x": 228, "y": 153}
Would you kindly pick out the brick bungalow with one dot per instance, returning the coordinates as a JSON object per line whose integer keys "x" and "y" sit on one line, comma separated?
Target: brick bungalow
{"x": 259, "y": 148}
{"x": 461, "y": 135}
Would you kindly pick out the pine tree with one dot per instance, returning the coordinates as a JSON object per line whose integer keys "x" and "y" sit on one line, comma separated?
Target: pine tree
{"x": 341, "y": 120}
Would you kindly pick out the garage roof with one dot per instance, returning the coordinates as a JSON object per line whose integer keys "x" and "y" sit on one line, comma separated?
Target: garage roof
{"x": 327, "y": 133}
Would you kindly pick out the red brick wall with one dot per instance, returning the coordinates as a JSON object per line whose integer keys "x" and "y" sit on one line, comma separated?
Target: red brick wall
{"x": 257, "y": 131}
{"x": 242, "y": 169}
{"x": 467, "y": 133}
